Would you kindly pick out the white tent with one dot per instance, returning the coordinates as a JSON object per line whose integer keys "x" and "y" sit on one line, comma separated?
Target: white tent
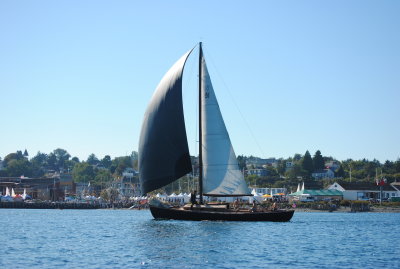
{"x": 256, "y": 196}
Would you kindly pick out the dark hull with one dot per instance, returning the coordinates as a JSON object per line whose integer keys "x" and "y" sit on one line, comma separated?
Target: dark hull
{"x": 180, "y": 214}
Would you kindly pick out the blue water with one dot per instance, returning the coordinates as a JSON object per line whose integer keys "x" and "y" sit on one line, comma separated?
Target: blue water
{"x": 132, "y": 239}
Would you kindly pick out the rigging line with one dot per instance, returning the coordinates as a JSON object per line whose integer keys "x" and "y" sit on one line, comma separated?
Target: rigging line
{"x": 234, "y": 102}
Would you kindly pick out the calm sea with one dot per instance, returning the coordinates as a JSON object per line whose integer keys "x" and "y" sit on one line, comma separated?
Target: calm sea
{"x": 132, "y": 239}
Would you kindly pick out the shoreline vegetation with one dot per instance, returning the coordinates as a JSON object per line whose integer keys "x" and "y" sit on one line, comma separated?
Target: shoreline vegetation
{"x": 259, "y": 172}
{"x": 382, "y": 209}
{"x": 56, "y": 177}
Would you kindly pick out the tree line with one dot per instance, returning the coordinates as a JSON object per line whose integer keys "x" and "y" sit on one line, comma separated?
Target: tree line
{"x": 103, "y": 170}
{"x": 95, "y": 170}
{"x": 302, "y": 167}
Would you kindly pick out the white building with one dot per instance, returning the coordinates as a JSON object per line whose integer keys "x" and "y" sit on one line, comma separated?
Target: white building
{"x": 333, "y": 165}
{"x": 129, "y": 173}
{"x": 271, "y": 191}
{"x": 396, "y": 186}
{"x": 363, "y": 191}
{"x": 289, "y": 166}
{"x": 258, "y": 172}
{"x": 325, "y": 173}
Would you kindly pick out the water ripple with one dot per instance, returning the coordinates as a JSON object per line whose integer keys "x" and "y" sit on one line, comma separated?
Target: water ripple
{"x": 132, "y": 239}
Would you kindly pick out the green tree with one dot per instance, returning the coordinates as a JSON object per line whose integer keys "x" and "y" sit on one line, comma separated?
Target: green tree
{"x": 397, "y": 166}
{"x": 13, "y": 156}
{"x": 106, "y": 162}
{"x": 39, "y": 163}
{"x": 241, "y": 162}
{"x": 119, "y": 164}
{"x": 295, "y": 171}
{"x": 340, "y": 172}
{"x": 388, "y": 167}
{"x": 102, "y": 176}
{"x": 17, "y": 168}
{"x": 40, "y": 159}
{"x": 52, "y": 161}
{"x": 318, "y": 161}
{"x": 297, "y": 157}
{"x": 271, "y": 171}
{"x": 307, "y": 163}
{"x": 69, "y": 165}
{"x": 92, "y": 159}
{"x": 61, "y": 157}
{"x": 281, "y": 166}
{"x": 83, "y": 172}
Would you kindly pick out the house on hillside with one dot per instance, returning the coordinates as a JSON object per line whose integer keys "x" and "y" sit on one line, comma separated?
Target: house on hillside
{"x": 259, "y": 162}
{"x": 289, "y": 166}
{"x": 333, "y": 165}
{"x": 130, "y": 173}
{"x": 323, "y": 173}
{"x": 363, "y": 190}
{"x": 260, "y": 172}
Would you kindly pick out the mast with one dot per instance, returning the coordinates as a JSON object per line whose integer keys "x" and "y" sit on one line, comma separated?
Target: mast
{"x": 200, "y": 127}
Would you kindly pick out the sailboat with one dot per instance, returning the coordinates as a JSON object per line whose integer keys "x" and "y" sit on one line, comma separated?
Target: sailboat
{"x": 164, "y": 154}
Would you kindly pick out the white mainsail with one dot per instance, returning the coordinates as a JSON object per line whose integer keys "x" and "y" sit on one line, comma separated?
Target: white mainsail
{"x": 221, "y": 174}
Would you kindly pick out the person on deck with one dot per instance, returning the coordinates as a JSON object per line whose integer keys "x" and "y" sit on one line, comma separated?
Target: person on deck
{"x": 254, "y": 207}
{"x": 236, "y": 204}
{"x": 193, "y": 199}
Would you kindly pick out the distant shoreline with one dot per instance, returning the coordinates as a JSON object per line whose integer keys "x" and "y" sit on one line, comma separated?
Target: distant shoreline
{"x": 347, "y": 210}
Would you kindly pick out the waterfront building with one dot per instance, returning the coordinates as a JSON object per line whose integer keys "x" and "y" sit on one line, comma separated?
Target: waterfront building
{"x": 270, "y": 191}
{"x": 316, "y": 195}
{"x": 364, "y": 190}
{"x": 38, "y": 188}
{"x": 395, "y": 196}
{"x": 127, "y": 185}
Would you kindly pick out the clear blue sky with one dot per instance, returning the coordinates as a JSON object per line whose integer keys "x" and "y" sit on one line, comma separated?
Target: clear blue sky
{"x": 290, "y": 76}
